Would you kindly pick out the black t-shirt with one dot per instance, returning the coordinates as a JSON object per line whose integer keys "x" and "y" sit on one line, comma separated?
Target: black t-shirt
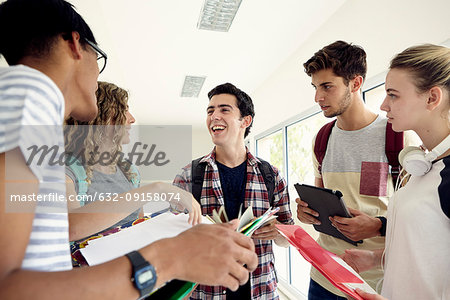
{"x": 233, "y": 182}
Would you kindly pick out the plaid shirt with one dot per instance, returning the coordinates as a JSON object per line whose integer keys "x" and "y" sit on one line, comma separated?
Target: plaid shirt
{"x": 263, "y": 281}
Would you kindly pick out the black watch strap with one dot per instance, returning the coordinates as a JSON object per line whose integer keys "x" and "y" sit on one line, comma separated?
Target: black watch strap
{"x": 140, "y": 265}
{"x": 137, "y": 260}
{"x": 383, "y": 225}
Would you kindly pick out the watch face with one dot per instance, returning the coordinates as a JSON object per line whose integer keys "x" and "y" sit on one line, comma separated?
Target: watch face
{"x": 145, "y": 276}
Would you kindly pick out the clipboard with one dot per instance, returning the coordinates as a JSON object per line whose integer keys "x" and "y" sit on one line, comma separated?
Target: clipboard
{"x": 328, "y": 203}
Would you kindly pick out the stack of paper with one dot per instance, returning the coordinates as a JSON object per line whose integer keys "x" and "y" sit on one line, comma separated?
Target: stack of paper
{"x": 135, "y": 237}
{"x": 336, "y": 270}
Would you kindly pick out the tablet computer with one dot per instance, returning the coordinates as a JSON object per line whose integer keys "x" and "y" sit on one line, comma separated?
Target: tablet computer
{"x": 328, "y": 203}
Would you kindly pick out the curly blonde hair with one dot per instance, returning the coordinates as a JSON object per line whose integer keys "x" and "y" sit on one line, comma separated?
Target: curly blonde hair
{"x": 82, "y": 139}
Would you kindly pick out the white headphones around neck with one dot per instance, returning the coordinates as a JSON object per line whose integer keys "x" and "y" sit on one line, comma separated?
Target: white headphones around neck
{"x": 416, "y": 162}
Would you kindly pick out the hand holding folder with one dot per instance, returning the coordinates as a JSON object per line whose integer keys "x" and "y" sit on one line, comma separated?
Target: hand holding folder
{"x": 203, "y": 253}
{"x": 338, "y": 272}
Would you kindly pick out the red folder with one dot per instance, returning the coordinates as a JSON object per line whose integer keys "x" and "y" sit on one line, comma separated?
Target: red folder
{"x": 320, "y": 258}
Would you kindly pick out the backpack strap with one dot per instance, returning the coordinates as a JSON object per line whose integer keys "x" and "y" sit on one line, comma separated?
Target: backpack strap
{"x": 136, "y": 180}
{"x": 197, "y": 175}
{"x": 269, "y": 178}
{"x": 320, "y": 146}
{"x": 81, "y": 178}
{"x": 393, "y": 146}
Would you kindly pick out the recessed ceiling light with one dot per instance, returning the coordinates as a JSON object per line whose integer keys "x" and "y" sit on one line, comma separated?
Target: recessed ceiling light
{"x": 217, "y": 15}
{"x": 192, "y": 86}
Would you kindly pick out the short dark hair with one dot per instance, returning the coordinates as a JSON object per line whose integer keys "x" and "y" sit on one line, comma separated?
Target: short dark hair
{"x": 30, "y": 27}
{"x": 346, "y": 60}
{"x": 244, "y": 102}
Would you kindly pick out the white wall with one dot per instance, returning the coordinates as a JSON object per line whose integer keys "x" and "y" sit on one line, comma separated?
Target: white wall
{"x": 382, "y": 27}
{"x": 201, "y": 142}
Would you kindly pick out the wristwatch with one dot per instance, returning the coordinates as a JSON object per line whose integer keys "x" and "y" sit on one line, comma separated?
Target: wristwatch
{"x": 383, "y": 225}
{"x": 144, "y": 274}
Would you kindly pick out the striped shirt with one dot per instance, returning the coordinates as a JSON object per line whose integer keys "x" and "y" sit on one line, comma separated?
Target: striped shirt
{"x": 31, "y": 114}
{"x": 263, "y": 281}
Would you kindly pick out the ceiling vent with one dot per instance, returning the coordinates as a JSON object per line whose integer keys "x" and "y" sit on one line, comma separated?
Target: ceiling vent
{"x": 217, "y": 15}
{"x": 192, "y": 86}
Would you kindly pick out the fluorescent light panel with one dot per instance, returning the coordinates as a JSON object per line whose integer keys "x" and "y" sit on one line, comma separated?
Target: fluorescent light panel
{"x": 192, "y": 86}
{"x": 217, "y": 15}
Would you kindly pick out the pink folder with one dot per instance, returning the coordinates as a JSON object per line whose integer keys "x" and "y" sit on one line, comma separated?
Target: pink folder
{"x": 321, "y": 259}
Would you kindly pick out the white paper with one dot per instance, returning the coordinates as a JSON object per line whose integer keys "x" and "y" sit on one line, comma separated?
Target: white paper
{"x": 246, "y": 218}
{"x": 135, "y": 237}
{"x": 363, "y": 286}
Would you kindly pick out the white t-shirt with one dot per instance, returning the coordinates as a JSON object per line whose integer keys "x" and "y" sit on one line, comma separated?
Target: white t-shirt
{"x": 31, "y": 115}
{"x": 418, "y": 237}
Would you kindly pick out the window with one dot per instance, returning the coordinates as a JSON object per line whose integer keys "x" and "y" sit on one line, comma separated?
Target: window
{"x": 299, "y": 148}
{"x": 289, "y": 148}
{"x": 270, "y": 148}
{"x": 374, "y": 97}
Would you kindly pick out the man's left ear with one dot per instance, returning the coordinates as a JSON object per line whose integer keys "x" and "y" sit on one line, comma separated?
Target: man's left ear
{"x": 246, "y": 121}
{"x": 356, "y": 83}
{"x": 74, "y": 43}
{"x": 434, "y": 97}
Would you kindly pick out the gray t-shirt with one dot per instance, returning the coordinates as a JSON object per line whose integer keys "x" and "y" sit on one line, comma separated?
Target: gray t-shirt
{"x": 115, "y": 183}
{"x": 350, "y": 148}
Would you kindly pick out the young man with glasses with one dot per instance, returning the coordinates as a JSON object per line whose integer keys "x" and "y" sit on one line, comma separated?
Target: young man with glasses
{"x": 53, "y": 74}
{"x": 101, "y": 56}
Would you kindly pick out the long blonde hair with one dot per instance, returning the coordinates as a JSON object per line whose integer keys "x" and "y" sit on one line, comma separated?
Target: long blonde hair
{"x": 82, "y": 138}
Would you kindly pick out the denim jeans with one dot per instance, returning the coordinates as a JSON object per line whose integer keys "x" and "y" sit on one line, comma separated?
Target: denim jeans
{"x": 317, "y": 292}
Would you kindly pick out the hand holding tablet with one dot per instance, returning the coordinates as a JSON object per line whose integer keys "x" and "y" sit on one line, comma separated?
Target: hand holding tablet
{"x": 327, "y": 203}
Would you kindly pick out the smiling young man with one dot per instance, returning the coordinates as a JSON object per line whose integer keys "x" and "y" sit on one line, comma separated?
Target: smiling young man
{"x": 354, "y": 162}
{"x": 231, "y": 176}
{"x": 53, "y": 74}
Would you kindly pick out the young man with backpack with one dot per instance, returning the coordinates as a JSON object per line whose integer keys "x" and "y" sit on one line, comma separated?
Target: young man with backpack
{"x": 356, "y": 154}
{"x": 232, "y": 177}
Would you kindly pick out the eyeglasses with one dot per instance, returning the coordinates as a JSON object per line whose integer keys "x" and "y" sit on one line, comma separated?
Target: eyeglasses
{"x": 101, "y": 56}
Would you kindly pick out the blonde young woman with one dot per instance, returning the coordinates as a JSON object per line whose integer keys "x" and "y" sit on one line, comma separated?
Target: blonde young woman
{"x": 86, "y": 142}
{"x": 416, "y": 258}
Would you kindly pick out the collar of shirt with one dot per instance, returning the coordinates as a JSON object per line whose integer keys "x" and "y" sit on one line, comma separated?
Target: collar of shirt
{"x": 211, "y": 158}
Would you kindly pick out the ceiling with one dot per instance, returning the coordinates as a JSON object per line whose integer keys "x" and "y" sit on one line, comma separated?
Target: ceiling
{"x": 153, "y": 44}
